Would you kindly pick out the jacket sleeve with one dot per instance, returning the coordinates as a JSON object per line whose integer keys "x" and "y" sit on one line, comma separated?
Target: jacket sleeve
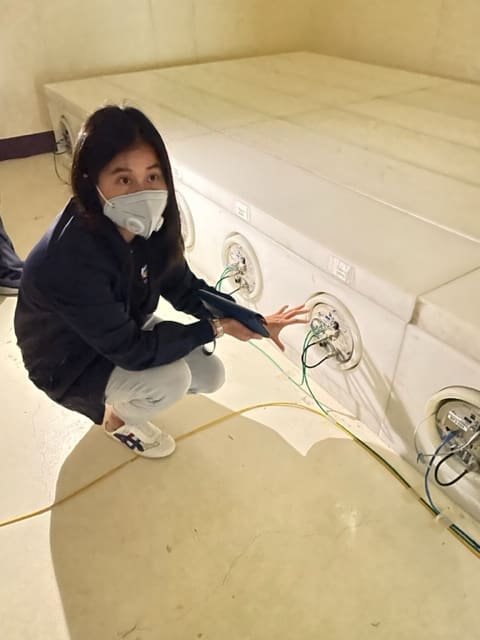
{"x": 181, "y": 287}
{"x": 87, "y": 304}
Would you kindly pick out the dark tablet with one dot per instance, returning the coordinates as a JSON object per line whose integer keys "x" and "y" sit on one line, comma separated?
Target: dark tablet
{"x": 220, "y": 307}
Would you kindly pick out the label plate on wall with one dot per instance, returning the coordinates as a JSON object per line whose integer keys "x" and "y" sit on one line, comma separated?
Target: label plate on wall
{"x": 341, "y": 269}
{"x": 242, "y": 210}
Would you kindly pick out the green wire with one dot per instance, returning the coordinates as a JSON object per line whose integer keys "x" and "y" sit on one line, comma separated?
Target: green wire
{"x": 326, "y": 410}
{"x": 223, "y": 277}
{"x": 277, "y": 365}
{"x": 228, "y": 272}
{"x": 308, "y": 339}
{"x": 306, "y": 342}
{"x": 310, "y": 336}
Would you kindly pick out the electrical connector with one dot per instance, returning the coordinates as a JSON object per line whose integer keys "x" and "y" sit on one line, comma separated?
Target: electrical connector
{"x": 238, "y": 252}
{"x": 336, "y": 333}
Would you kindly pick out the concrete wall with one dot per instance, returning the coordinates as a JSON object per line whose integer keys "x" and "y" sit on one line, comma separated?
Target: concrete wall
{"x": 63, "y": 39}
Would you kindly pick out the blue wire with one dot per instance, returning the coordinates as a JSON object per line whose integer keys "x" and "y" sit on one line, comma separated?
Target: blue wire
{"x": 473, "y": 543}
{"x": 463, "y": 534}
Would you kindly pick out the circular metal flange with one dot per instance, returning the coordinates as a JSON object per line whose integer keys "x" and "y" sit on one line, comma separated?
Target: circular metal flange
{"x": 238, "y": 252}
{"x": 66, "y": 135}
{"x": 336, "y": 330}
{"x": 453, "y": 409}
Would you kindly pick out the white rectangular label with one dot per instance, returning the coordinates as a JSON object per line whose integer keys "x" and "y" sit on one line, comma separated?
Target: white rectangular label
{"x": 242, "y": 210}
{"x": 341, "y": 270}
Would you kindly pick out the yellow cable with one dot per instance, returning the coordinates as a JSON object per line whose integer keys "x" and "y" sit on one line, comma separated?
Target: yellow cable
{"x": 216, "y": 421}
{"x": 39, "y": 512}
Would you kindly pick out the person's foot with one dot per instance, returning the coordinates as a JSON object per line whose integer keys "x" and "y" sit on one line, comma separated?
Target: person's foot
{"x": 145, "y": 440}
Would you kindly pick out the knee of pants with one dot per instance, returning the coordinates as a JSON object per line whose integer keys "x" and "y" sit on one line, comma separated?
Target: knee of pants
{"x": 213, "y": 375}
{"x": 169, "y": 383}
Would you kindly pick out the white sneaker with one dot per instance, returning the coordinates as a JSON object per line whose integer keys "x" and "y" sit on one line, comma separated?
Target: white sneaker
{"x": 145, "y": 440}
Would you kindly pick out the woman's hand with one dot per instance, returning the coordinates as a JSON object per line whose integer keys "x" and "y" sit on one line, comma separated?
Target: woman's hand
{"x": 283, "y": 318}
{"x": 275, "y": 323}
{"x": 238, "y": 330}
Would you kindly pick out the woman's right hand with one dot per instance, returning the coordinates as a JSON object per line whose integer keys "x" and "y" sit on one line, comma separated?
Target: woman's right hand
{"x": 239, "y": 330}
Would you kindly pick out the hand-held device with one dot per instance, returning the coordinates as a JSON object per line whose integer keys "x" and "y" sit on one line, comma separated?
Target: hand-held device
{"x": 223, "y": 308}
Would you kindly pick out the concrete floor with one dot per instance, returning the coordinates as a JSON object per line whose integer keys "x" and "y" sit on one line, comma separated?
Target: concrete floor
{"x": 272, "y": 525}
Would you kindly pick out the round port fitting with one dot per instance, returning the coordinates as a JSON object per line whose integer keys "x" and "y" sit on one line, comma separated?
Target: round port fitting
{"x": 238, "y": 252}
{"x": 336, "y": 331}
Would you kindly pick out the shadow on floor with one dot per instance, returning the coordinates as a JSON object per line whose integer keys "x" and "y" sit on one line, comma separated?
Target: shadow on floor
{"x": 238, "y": 537}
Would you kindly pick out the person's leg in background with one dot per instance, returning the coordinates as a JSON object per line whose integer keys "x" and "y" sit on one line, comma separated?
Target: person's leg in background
{"x": 11, "y": 266}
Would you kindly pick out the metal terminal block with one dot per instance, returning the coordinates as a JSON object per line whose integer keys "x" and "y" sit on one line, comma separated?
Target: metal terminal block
{"x": 463, "y": 419}
{"x": 336, "y": 331}
{"x": 239, "y": 254}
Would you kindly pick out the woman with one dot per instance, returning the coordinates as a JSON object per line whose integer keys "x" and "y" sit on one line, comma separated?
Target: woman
{"x": 84, "y": 319}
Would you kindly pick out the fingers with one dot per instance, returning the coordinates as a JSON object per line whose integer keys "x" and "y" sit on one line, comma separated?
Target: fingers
{"x": 281, "y": 310}
{"x": 299, "y": 307}
{"x": 294, "y": 311}
{"x": 286, "y": 320}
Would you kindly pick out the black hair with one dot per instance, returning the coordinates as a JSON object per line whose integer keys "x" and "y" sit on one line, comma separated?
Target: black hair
{"x": 107, "y": 132}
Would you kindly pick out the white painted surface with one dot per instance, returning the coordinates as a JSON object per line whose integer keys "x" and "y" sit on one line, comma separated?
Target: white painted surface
{"x": 358, "y": 180}
{"x": 396, "y": 256}
{"x": 452, "y": 314}
{"x": 427, "y": 365}
{"x": 290, "y": 279}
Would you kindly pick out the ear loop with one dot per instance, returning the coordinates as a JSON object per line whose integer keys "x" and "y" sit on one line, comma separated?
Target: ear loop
{"x": 102, "y": 196}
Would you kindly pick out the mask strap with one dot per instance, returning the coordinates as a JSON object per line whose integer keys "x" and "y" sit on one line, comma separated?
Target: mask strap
{"x": 103, "y": 197}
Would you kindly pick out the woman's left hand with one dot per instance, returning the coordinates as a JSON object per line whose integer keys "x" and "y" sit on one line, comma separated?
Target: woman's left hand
{"x": 283, "y": 318}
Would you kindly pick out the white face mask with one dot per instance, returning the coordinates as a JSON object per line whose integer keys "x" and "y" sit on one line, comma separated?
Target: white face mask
{"x": 140, "y": 213}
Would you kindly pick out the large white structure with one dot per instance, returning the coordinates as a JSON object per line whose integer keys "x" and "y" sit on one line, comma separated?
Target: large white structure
{"x": 352, "y": 186}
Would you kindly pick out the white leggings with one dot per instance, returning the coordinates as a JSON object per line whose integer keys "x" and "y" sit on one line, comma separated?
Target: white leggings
{"x": 136, "y": 396}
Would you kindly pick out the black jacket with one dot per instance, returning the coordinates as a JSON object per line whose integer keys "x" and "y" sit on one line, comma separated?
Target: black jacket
{"x": 84, "y": 297}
